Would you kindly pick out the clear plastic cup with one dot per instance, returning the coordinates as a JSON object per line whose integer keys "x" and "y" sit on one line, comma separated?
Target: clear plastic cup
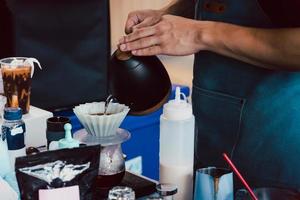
{"x": 16, "y": 75}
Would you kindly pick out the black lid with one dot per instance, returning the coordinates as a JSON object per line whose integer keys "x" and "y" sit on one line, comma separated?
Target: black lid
{"x": 166, "y": 189}
{"x": 12, "y": 113}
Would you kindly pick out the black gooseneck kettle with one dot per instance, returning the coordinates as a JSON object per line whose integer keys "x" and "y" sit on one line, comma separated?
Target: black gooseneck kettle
{"x": 140, "y": 82}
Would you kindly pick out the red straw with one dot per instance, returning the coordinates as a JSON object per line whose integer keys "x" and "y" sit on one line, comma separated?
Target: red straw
{"x": 240, "y": 176}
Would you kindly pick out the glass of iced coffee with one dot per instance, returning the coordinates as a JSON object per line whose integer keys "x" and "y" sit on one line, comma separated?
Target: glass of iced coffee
{"x": 16, "y": 75}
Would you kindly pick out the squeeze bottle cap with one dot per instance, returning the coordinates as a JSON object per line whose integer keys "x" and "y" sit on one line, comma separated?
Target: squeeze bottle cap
{"x": 178, "y": 109}
{"x": 68, "y": 141}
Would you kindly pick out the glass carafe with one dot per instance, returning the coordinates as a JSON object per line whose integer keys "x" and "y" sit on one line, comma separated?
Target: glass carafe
{"x": 112, "y": 162}
{"x": 111, "y": 166}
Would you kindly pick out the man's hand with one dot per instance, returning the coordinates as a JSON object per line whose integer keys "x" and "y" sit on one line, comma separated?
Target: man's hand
{"x": 172, "y": 35}
{"x": 142, "y": 18}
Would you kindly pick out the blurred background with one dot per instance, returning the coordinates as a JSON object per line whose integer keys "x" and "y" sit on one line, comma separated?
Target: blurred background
{"x": 22, "y": 26}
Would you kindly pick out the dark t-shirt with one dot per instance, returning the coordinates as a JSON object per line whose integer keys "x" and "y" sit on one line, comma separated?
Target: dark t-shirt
{"x": 283, "y": 13}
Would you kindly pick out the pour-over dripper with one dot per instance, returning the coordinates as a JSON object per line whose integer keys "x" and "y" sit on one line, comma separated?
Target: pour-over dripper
{"x": 96, "y": 123}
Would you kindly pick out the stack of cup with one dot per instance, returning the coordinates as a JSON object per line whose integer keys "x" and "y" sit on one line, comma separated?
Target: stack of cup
{"x": 55, "y": 128}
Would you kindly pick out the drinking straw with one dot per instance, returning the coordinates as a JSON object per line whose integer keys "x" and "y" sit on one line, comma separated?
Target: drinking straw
{"x": 253, "y": 197}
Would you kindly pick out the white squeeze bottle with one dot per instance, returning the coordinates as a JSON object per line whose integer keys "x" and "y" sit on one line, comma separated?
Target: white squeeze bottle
{"x": 177, "y": 125}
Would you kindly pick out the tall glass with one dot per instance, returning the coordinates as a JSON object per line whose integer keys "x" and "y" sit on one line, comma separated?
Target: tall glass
{"x": 16, "y": 75}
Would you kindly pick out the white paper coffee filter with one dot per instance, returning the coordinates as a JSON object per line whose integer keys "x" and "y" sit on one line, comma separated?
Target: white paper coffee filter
{"x": 101, "y": 125}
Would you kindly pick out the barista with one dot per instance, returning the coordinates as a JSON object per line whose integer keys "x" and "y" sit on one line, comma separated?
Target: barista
{"x": 246, "y": 86}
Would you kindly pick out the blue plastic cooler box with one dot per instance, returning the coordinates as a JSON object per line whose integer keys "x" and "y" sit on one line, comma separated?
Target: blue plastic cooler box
{"x": 144, "y": 140}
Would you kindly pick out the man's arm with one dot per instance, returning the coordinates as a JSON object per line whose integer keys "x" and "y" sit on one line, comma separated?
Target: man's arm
{"x": 277, "y": 49}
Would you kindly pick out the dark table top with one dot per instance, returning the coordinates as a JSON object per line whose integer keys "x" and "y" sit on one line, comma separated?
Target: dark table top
{"x": 141, "y": 185}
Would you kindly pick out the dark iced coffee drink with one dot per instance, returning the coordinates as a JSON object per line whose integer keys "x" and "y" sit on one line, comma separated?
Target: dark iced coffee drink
{"x": 17, "y": 84}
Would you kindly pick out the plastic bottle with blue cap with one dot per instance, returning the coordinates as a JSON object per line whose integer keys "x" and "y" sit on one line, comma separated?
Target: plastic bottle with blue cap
{"x": 12, "y": 145}
{"x": 7, "y": 175}
{"x": 177, "y": 132}
{"x": 14, "y": 130}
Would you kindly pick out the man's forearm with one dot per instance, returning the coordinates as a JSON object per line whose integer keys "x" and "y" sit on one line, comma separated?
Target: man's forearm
{"x": 268, "y": 48}
{"x": 184, "y": 8}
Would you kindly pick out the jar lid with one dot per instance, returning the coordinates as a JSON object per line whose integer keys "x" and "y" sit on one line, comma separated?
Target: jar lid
{"x": 166, "y": 189}
{"x": 12, "y": 113}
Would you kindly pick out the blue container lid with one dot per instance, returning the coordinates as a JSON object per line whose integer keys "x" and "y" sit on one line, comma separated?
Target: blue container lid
{"x": 12, "y": 113}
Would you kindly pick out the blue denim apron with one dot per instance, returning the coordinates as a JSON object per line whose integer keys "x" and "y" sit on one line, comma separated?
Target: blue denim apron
{"x": 251, "y": 113}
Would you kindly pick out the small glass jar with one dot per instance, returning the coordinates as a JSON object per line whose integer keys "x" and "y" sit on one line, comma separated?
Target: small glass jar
{"x": 166, "y": 191}
{"x": 14, "y": 128}
{"x": 121, "y": 193}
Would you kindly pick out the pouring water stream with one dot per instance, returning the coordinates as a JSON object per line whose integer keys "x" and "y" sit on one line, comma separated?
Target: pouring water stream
{"x": 108, "y": 100}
